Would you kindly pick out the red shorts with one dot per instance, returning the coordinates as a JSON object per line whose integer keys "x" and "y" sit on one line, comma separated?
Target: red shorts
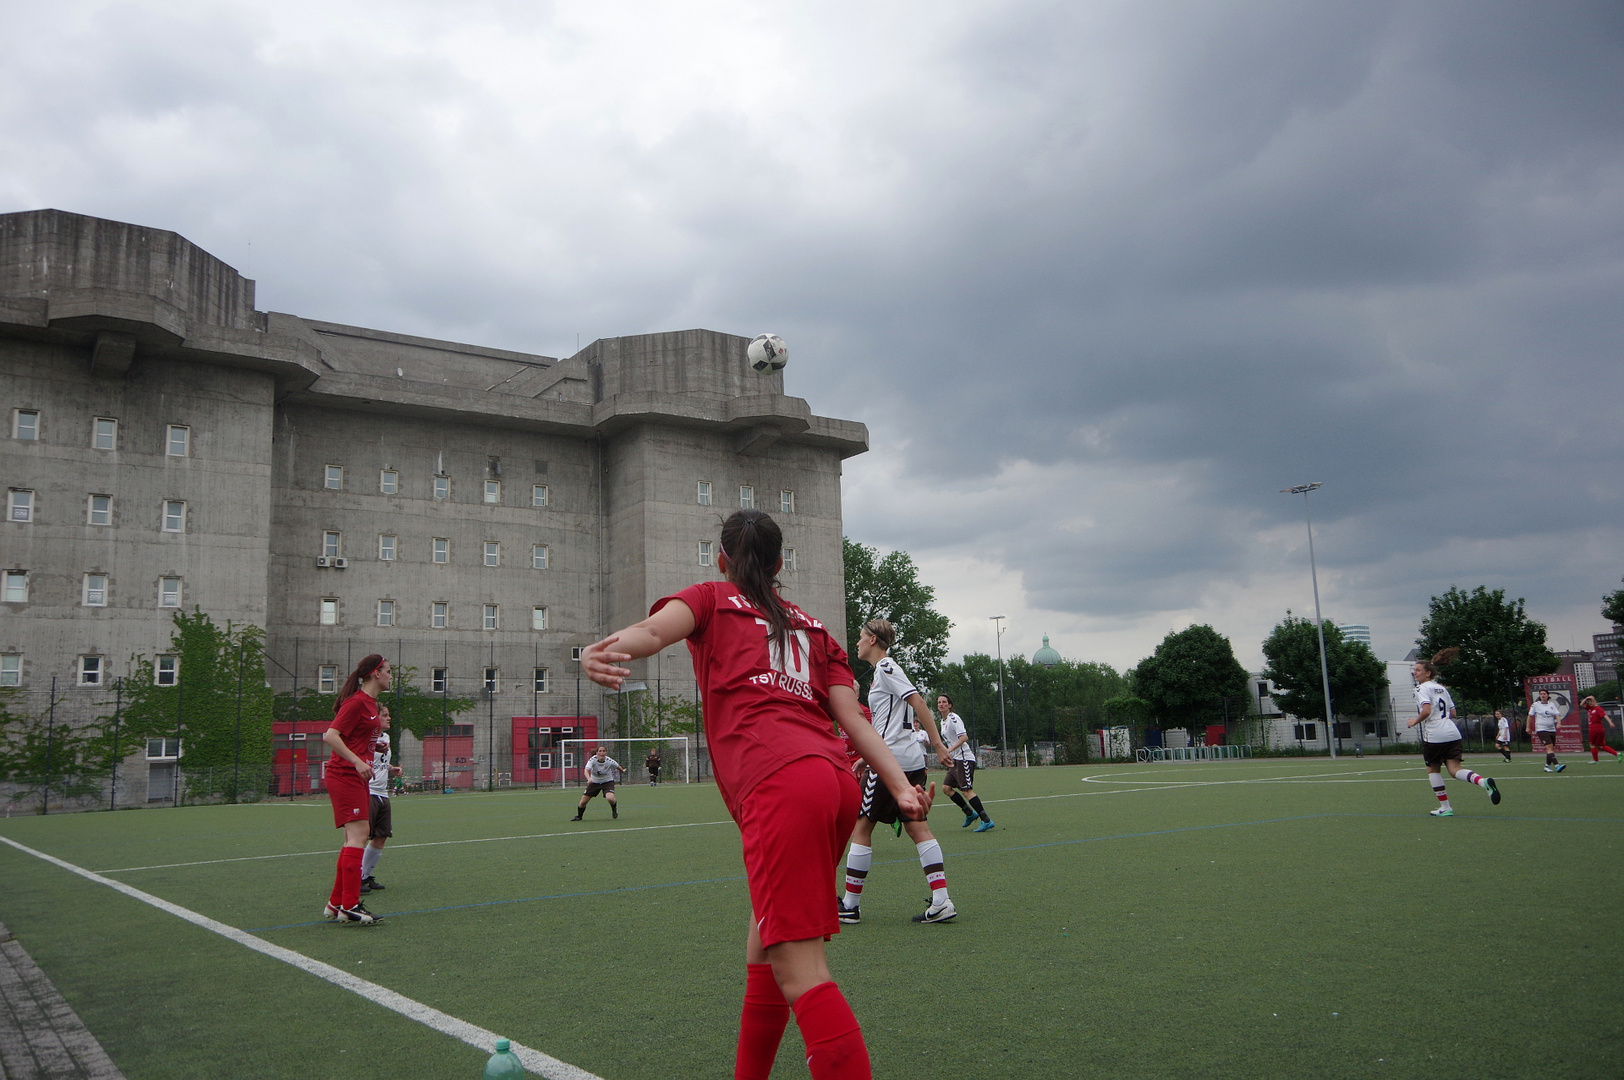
{"x": 351, "y": 799}
{"x": 795, "y": 825}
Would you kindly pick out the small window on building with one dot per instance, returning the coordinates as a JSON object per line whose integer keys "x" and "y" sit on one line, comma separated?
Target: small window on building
{"x": 786, "y": 502}
{"x": 439, "y": 613}
{"x": 538, "y": 618}
{"x": 491, "y": 617}
{"x": 329, "y": 611}
{"x": 174, "y": 516}
{"x": 493, "y": 491}
{"x": 492, "y": 679}
{"x": 163, "y": 749}
{"x": 11, "y": 669}
{"x": 442, "y": 549}
{"x": 704, "y": 493}
{"x": 104, "y": 433}
{"x": 386, "y": 613}
{"x": 437, "y": 680}
{"x": 90, "y": 671}
{"x": 19, "y": 505}
{"x": 1308, "y": 732}
{"x": 178, "y": 441}
{"x": 25, "y": 425}
{"x": 335, "y": 478}
{"x": 386, "y": 548}
{"x": 747, "y": 497}
{"x": 493, "y": 553}
{"x": 538, "y": 556}
{"x": 14, "y": 589}
{"x": 442, "y": 487}
{"x": 95, "y": 590}
{"x": 389, "y": 481}
{"x": 575, "y": 652}
{"x": 169, "y": 592}
{"x": 789, "y": 560}
{"x": 704, "y": 553}
{"x": 538, "y": 495}
{"x": 332, "y": 544}
{"x": 166, "y": 672}
{"x": 327, "y": 678}
{"x": 101, "y": 510}
{"x": 540, "y": 680}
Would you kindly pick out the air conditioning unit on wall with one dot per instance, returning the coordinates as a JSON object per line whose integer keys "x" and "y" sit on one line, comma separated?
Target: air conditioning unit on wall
{"x": 341, "y": 563}
{"x": 322, "y": 560}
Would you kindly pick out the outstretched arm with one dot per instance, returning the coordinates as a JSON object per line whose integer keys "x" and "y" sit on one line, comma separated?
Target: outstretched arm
{"x": 914, "y": 802}
{"x": 602, "y": 659}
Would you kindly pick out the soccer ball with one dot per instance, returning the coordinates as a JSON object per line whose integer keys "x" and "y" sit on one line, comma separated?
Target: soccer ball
{"x": 768, "y": 353}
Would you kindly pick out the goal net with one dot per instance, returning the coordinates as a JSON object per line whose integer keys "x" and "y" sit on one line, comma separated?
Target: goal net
{"x": 676, "y": 759}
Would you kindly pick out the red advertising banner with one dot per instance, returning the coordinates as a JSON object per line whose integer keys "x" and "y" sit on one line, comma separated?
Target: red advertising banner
{"x": 1564, "y": 691}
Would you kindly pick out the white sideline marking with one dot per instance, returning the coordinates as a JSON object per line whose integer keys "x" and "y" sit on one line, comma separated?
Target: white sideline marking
{"x": 426, "y": 843}
{"x": 533, "y": 1060}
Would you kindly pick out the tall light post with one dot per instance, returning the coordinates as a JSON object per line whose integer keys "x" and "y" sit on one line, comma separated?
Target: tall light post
{"x": 1003, "y": 727}
{"x": 1319, "y": 622}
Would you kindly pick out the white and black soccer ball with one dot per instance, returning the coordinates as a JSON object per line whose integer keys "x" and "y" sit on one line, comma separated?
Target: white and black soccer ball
{"x": 768, "y": 353}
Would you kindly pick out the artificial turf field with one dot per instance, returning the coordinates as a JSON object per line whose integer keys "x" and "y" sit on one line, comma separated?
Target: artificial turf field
{"x": 1222, "y": 919}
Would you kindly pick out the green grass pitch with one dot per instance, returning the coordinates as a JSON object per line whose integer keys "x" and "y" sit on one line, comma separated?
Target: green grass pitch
{"x": 1250, "y": 919}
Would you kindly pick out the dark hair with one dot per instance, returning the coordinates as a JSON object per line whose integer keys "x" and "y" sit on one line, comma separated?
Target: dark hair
{"x": 753, "y": 544}
{"x": 882, "y": 632}
{"x": 363, "y": 670}
{"x": 1439, "y": 659}
{"x": 945, "y": 694}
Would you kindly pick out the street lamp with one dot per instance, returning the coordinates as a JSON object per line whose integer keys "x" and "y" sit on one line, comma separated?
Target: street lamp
{"x": 1003, "y": 727}
{"x": 1319, "y": 623}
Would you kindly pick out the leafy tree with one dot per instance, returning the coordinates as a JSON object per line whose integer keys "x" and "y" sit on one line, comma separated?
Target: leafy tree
{"x": 411, "y": 708}
{"x": 1292, "y": 650}
{"x": 1039, "y": 701}
{"x": 1189, "y": 677}
{"x": 1500, "y": 646}
{"x": 1612, "y": 606}
{"x": 45, "y": 757}
{"x": 890, "y": 588}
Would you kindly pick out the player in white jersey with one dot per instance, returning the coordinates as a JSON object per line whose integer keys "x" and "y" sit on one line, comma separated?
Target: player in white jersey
{"x": 382, "y": 824}
{"x": 601, "y": 773}
{"x": 1502, "y": 734}
{"x": 1440, "y": 738}
{"x": 1543, "y": 716}
{"x": 891, "y": 698}
{"x": 961, "y": 774}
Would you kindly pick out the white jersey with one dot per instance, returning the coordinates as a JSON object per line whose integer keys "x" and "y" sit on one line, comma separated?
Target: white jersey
{"x": 1545, "y": 714}
{"x": 893, "y": 716}
{"x": 601, "y": 772}
{"x": 379, "y": 784}
{"x": 1503, "y": 733}
{"x": 952, "y": 729}
{"x": 1439, "y": 726}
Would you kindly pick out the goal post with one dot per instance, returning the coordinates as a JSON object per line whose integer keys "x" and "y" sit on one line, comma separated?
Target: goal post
{"x": 676, "y": 759}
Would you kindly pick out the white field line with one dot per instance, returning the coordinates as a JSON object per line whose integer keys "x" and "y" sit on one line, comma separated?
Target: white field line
{"x": 426, "y": 843}
{"x": 1313, "y": 778}
{"x": 533, "y": 1060}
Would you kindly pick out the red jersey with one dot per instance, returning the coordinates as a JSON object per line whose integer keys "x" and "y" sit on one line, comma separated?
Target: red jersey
{"x": 357, "y": 724}
{"x": 1598, "y": 717}
{"x": 763, "y": 710}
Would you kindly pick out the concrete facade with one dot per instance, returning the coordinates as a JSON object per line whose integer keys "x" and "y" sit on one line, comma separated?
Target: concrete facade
{"x": 105, "y": 321}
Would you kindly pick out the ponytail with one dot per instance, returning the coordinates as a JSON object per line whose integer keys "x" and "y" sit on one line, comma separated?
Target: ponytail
{"x": 362, "y": 671}
{"x": 1439, "y": 659}
{"x": 753, "y": 544}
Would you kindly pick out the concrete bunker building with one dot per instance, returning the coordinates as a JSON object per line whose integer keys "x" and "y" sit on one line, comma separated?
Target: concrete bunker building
{"x": 169, "y": 446}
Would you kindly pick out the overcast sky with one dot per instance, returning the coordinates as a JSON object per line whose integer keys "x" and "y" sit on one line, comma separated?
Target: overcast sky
{"x": 1101, "y": 277}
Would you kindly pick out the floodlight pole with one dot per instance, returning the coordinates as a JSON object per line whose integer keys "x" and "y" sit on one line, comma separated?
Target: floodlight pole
{"x": 1319, "y": 622}
{"x": 1003, "y": 726}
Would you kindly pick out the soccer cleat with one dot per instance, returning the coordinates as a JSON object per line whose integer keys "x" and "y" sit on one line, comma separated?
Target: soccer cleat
{"x": 577, "y": 817}
{"x": 897, "y": 826}
{"x": 1560, "y": 766}
{"x": 614, "y": 811}
{"x": 1494, "y": 792}
{"x": 1549, "y": 769}
{"x": 969, "y": 820}
{"x": 1441, "y": 812}
{"x": 848, "y": 915}
{"x": 358, "y": 914}
{"x": 984, "y": 826}
{"x": 330, "y": 911}
{"x": 371, "y": 884}
{"x": 937, "y": 912}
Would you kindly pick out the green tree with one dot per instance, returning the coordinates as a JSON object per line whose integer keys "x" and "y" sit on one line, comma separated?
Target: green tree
{"x": 890, "y": 588}
{"x": 44, "y": 757}
{"x": 1192, "y": 679}
{"x": 411, "y": 708}
{"x": 1500, "y": 646}
{"x": 1292, "y": 651}
{"x": 1042, "y": 703}
{"x": 1612, "y": 606}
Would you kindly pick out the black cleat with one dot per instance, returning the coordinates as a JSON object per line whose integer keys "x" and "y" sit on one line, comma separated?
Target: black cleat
{"x": 614, "y": 812}
{"x": 358, "y": 914}
{"x": 371, "y": 884}
{"x": 1494, "y": 792}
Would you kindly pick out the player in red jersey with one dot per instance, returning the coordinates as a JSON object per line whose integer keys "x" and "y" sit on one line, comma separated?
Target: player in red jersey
{"x": 771, "y": 678}
{"x": 349, "y": 767}
{"x": 1599, "y": 723}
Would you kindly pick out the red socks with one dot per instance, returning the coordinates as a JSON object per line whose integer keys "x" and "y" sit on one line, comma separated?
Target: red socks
{"x": 761, "y": 1024}
{"x": 834, "y": 1043}
{"x": 347, "y": 883}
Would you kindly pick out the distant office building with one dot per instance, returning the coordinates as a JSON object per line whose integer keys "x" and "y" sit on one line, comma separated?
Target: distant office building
{"x": 1355, "y": 632}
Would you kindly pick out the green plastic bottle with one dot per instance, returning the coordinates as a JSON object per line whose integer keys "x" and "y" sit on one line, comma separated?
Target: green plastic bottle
{"x": 503, "y": 1064}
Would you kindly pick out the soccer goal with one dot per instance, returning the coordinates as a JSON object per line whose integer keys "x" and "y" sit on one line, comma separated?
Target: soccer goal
{"x": 676, "y": 759}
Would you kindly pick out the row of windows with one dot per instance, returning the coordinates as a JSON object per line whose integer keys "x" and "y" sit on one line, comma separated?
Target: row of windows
{"x": 327, "y": 679}
{"x": 332, "y": 547}
{"x": 747, "y": 497}
{"x": 92, "y": 671}
{"x": 93, "y": 591}
{"x": 22, "y": 504}
{"x": 388, "y": 613}
{"x": 25, "y": 425}
{"x": 389, "y": 484}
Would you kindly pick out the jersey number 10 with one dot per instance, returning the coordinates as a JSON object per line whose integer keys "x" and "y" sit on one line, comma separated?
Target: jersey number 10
{"x": 800, "y": 660}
